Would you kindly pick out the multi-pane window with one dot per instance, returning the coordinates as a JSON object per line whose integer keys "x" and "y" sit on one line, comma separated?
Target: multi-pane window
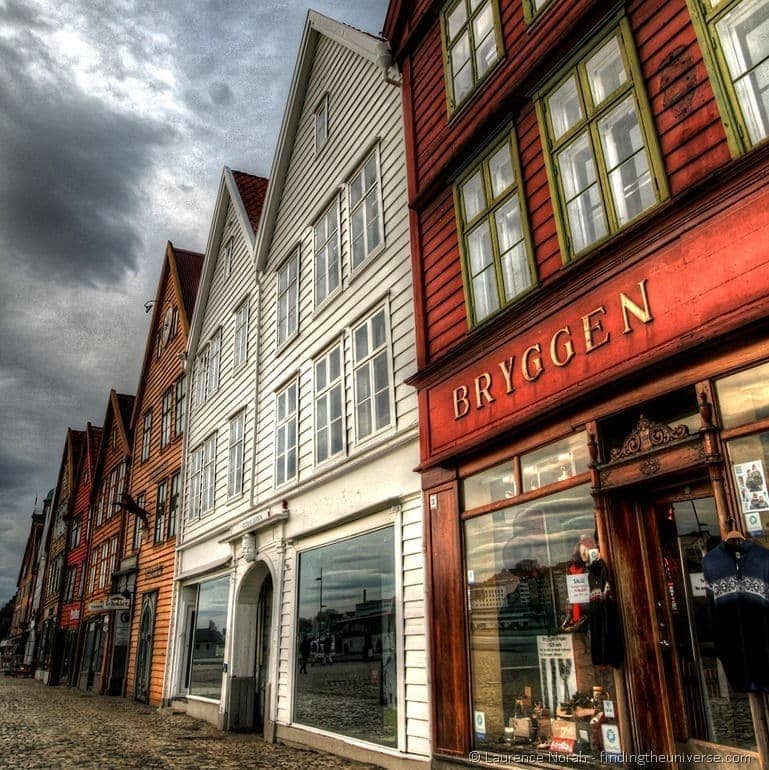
{"x": 120, "y": 472}
{"x": 201, "y": 376}
{"x": 196, "y": 481}
{"x": 735, "y": 36}
{"x": 160, "y": 511}
{"x": 288, "y": 298}
{"x": 74, "y": 535}
{"x": 326, "y": 254}
{"x": 214, "y": 359}
{"x": 240, "y": 340}
{"x": 372, "y": 379}
{"x": 236, "y": 457}
{"x": 208, "y": 485}
{"x": 285, "y": 434}
{"x": 494, "y": 231}
{"x": 92, "y": 571}
{"x": 472, "y": 44}
{"x": 365, "y": 211}
{"x": 173, "y": 504}
{"x": 321, "y": 124}
{"x": 166, "y": 418}
{"x": 181, "y": 388}
{"x": 225, "y": 258}
{"x": 600, "y": 152}
{"x": 146, "y": 438}
{"x": 69, "y": 584}
{"x": 532, "y": 7}
{"x": 137, "y": 538}
{"x": 329, "y": 423}
{"x": 112, "y": 560}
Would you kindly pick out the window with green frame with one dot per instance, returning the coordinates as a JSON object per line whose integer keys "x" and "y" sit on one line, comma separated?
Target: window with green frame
{"x": 531, "y": 8}
{"x": 601, "y": 151}
{"x": 735, "y": 39}
{"x": 497, "y": 261}
{"x": 472, "y": 44}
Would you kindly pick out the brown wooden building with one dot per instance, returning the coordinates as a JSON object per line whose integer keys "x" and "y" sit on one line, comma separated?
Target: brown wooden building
{"x": 106, "y": 611}
{"x": 155, "y": 486}
{"x": 590, "y": 244}
{"x": 51, "y": 641}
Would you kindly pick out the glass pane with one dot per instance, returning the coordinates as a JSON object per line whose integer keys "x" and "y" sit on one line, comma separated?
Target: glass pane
{"x": 606, "y": 71}
{"x": 497, "y": 483}
{"x": 356, "y": 188}
{"x": 463, "y": 82}
{"x": 373, "y": 231}
{"x": 336, "y": 437}
{"x": 346, "y": 639}
{"x": 321, "y": 445}
{"x": 555, "y": 462}
{"x": 361, "y": 342}
{"x": 457, "y": 18}
{"x": 750, "y": 460}
{"x": 528, "y": 596}
{"x": 485, "y": 41}
{"x": 321, "y": 411}
{"x": 378, "y": 330}
{"x": 626, "y": 160}
{"x": 744, "y": 397}
{"x": 362, "y": 383}
{"x": 336, "y": 402}
{"x": 515, "y": 266}
{"x": 382, "y": 409}
{"x": 358, "y": 244}
{"x": 363, "y": 415}
{"x": 501, "y": 170}
{"x": 381, "y": 378}
{"x": 565, "y": 109}
{"x": 208, "y": 639}
{"x": 479, "y": 248}
{"x": 753, "y": 95}
{"x": 369, "y": 172}
{"x": 460, "y": 53}
{"x": 485, "y": 296}
{"x": 334, "y": 364}
{"x": 473, "y": 196}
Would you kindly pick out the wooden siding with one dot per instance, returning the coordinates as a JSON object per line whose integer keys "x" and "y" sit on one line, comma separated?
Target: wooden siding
{"x": 156, "y": 560}
{"x": 684, "y": 113}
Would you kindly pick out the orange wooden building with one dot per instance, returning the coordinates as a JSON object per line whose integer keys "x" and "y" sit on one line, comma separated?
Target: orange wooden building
{"x": 106, "y": 612}
{"x": 157, "y": 425}
{"x": 75, "y": 564}
{"x": 590, "y": 243}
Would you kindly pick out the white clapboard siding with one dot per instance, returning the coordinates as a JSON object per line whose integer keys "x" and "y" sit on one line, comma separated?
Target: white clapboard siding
{"x": 236, "y": 387}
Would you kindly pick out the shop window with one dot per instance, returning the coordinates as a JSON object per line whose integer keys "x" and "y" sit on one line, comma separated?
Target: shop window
{"x": 472, "y": 44}
{"x": 207, "y": 639}
{"x": 601, "y": 150}
{"x": 329, "y": 412}
{"x": 533, "y": 681}
{"x": 286, "y": 434}
{"x": 743, "y": 398}
{"x": 346, "y": 676}
{"x": 749, "y": 458}
{"x": 494, "y": 231}
{"x": 556, "y": 462}
{"x": 288, "y": 299}
{"x": 365, "y": 211}
{"x": 490, "y": 485}
{"x": 734, "y": 35}
{"x": 326, "y": 254}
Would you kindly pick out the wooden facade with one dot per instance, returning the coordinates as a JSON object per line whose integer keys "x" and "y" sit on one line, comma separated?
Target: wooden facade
{"x": 74, "y": 577}
{"x": 156, "y": 474}
{"x": 670, "y": 306}
{"x": 103, "y": 661}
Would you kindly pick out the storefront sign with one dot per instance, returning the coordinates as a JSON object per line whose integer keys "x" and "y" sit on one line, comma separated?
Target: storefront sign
{"x": 114, "y": 602}
{"x": 252, "y": 521}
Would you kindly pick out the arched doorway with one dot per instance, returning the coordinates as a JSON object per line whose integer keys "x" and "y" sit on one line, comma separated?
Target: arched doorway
{"x": 144, "y": 649}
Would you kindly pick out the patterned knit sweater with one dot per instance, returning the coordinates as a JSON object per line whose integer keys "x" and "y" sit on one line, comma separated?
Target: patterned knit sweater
{"x": 737, "y": 576}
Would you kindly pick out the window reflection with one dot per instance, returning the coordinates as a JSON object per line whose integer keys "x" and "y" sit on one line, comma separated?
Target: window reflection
{"x": 208, "y": 638}
{"x": 345, "y": 678}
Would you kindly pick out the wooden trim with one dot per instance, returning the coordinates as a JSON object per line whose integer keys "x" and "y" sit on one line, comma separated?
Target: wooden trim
{"x": 746, "y": 430}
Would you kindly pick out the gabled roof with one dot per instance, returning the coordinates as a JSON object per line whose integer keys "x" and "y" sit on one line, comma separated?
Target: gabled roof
{"x": 246, "y": 192}
{"x": 73, "y": 445}
{"x": 119, "y": 408}
{"x": 183, "y": 268}
{"x": 375, "y": 49}
{"x": 87, "y": 459}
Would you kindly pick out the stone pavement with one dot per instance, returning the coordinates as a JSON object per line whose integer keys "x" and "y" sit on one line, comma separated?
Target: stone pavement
{"x": 56, "y": 728}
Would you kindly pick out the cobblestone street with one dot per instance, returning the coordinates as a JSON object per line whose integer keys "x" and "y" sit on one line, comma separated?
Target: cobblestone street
{"x": 58, "y": 728}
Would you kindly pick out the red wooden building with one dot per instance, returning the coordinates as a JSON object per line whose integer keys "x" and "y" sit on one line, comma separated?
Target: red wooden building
{"x": 106, "y": 613}
{"x": 157, "y": 425}
{"x": 590, "y": 242}
{"x": 51, "y": 640}
{"x": 73, "y": 579}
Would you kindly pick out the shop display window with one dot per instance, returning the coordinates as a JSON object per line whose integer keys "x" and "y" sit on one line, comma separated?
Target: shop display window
{"x": 744, "y": 397}
{"x": 555, "y": 462}
{"x": 534, "y": 686}
{"x": 749, "y": 458}
{"x": 346, "y": 675}
{"x": 497, "y": 483}
{"x": 207, "y": 639}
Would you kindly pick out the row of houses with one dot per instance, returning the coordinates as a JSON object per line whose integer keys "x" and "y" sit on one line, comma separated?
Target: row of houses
{"x": 430, "y": 446}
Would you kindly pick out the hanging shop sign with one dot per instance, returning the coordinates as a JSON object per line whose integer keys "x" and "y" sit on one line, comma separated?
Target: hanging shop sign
{"x": 114, "y": 602}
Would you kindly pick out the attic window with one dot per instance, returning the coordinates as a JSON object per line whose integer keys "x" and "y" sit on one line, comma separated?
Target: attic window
{"x": 226, "y": 258}
{"x": 321, "y": 124}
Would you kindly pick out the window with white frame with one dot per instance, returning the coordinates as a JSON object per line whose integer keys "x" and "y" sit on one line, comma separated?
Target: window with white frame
{"x": 196, "y": 482}
{"x": 181, "y": 392}
{"x": 214, "y": 360}
{"x": 372, "y": 377}
{"x": 166, "y": 418}
{"x": 201, "y": 376}
{"x": 225, "y": 258}
{"x": 112, "y": 559}
{"x": 365, "y": 211}
{"x": 326, "y": 253}
{"x": 208, "y": 486}
{"x": 237, "y": 457}
{"x": 146, "y": 438}
{"x": 321, "y": 124}
{"x": 240, "y": 340}
{"x": 288, "y": 298}
{"x": 285, "y": 434}
{"x": 137, "y": 538}
{"x": 329, "y": 419}
{"x": 160, "y": 511}
{"x": 173, "y": 504}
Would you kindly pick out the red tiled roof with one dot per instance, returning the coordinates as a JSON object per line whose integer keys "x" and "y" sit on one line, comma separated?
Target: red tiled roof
{"x": 189, "y": 265}
{"x": 253, "y": 190}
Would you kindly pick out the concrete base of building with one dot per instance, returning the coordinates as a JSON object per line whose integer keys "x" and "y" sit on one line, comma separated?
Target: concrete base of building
{"x": 300, "y": 738}
{"x": 207, "y": 712}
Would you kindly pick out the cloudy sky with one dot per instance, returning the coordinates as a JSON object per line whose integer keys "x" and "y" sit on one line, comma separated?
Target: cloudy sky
{"x": 116, "y": 117}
